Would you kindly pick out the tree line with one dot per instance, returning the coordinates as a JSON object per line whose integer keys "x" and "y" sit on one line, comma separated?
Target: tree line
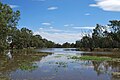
{"x": 18, "y": 38}
{"x": 107, "y": 36}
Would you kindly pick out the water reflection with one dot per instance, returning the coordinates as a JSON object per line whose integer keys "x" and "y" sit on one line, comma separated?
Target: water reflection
{"x": 18, "y": 60}
{"x": 20, "y": 65}
{"x": 9, "y": 54}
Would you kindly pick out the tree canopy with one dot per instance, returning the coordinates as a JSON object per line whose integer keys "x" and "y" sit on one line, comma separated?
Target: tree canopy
{"x": 103, "y": 36}
{"x": 21, "y": 38}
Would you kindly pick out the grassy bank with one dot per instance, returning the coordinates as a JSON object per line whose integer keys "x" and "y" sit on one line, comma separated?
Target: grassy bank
{"x": 29, "y": 52}
{"x": 112, "y": 55}
{"x": 100, "y": 49}
{"x": 95, "y": 58}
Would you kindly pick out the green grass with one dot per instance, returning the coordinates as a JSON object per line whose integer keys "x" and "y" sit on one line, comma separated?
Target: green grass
{"x": 28, "y": 67}
{"x": 57, "y": 56}
{"x": 95, "y": 58}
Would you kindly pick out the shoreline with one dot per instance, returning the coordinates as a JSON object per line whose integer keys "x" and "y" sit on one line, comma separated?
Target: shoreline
{"x": 117, "y": 50}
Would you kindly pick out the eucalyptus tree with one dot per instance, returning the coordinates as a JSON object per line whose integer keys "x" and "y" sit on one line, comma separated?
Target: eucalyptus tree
{"x": 78, "y": 44}
{"x": 66, "y": 45}
{"x": 37, "y": 41}
{"x": 87, "y": 42}
{"x": 8, "y": 21}
{"x": 115, "y": 31}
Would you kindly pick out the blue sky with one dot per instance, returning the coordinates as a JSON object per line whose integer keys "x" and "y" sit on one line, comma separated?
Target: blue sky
{"x": 64, "y": 20}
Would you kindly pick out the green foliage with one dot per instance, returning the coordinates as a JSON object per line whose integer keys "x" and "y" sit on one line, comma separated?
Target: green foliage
{"x": 28, "y": 66}
{"x": 103, "y": 37}
{"x": 8, "y": 21}
{"x": 22, "y": 38}
{"x": 66, "y": 45}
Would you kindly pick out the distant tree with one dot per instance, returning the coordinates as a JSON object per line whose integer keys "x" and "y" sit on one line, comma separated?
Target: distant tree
{"x": 66, "y": 45}
{"x": 78, "y": 44}
{"x": 87, "y": 42}
{"x": 103, "y": 36}
{"x": 50, "y": 44}
{"x": 115, "y": 31}
{"x": 97, "y": 35}
{"x": 58, "y": 45}
{"x": 72, "y": 45}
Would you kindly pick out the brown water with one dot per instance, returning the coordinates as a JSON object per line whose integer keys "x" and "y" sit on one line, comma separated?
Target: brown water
{"x": 57, "y": 66}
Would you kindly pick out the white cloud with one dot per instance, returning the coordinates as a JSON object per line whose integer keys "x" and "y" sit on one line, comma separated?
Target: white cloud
{"x": 83, "y": 27}
{"x": 53, "y": 30}
{"x": 53, "y": 8}
{"x": 58, "y": 35}
{"x": 46, "y": 24}
{"x": 107, "y": 5}
{"x": 70, "y": 34}
{"x": 51, "y": 27}
{"x": 41, "y": 28}
{"x": 13, "y": 6}
{"x": 68, "y": 25}
{"x": 87, "y": 14}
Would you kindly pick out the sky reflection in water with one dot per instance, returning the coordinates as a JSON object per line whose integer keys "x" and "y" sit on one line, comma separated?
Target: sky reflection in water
{"x": 57, "y": 66}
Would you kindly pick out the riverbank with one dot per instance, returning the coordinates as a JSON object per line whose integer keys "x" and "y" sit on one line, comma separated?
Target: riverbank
{"x": 100, "y": 49}
{"x": 25, "y": 51}
{"x": 98, "y": 57}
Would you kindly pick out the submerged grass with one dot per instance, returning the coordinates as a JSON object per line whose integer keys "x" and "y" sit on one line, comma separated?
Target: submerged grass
{"x": 116, "y": 74}
{"x": 21, "y": 59}
{"x": 95, "y": 58}
{"x": 28, "y": 67}
{"x": 59, "y": 55}
{"x": 112, "y": 55}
